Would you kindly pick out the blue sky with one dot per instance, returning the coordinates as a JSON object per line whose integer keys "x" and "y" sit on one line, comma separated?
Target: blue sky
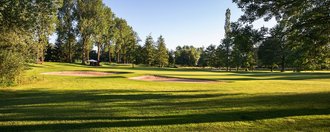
{"x": 181, "y": 22}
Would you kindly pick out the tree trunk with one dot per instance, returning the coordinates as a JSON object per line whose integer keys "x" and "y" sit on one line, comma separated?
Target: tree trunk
{"x": 271, "y": 69}
{"x": 227, "y": 59}
{"x": 87, "y": 54}
{"x": 282, "y": 64}
{"x": 70, "y": 52}
{"x": 118, "y": 57}
{"x": 42, "y": 54}
{"x": 125, "y": 61}
{"x": 98, "y": 51}
{"x": 37, "y": 55}
{"x": 83, "y": 56}
{"x": 109, "y": 48}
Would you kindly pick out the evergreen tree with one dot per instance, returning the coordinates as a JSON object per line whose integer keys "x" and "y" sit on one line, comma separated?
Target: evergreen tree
{"x": 221, "y": 59}
{"x": 202, "y": 62}
{"x": 211, "y": 56}
{"x": 149, "y": 51}
{"x": 139, "y": 58}
{"x": 171, "y": 58}
{"x": 162, "y": 53}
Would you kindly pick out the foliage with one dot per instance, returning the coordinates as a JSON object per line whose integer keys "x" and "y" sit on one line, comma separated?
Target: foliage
{"x": 12, "y": 66}
{"x": 138, "y": 57}
{"x": 211, "y": 56}
{"x": 132, "y": 47}
{"x": 66, "y": 31}
{"x": 24, "y": 26}
{"x": 171, "y": 58}
{"x": 269, "y": 53}
{"x": 202, "y": 61}
{"x": 87, "y": 22}
{"x": 187, "y": 55}
{"x": 101, "y": 27}
{"x": 109, "y": 36}
{"x": 125, "y": 38}
{"x": 244, "y": 39}
{"x": 305, "y": 24}
{"x": 51, "y": 53}
{"x": 226, "y": 42}
{"x": 45, "y": 18}
{"x": 149, "y": 51}
{"x": 162, "y": 53}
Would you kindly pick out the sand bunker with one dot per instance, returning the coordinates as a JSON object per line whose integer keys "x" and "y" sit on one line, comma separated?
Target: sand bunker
{"x": 78, "y": 73}
{"x": 170, "y": 79}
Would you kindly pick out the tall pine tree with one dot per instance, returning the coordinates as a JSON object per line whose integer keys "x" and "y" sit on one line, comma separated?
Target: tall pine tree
{"x": 149, "y": 51}
{"x": 162, "y": 53}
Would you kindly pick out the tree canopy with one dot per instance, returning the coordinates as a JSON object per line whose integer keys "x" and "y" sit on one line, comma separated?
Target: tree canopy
{"x": 300, "y": 40}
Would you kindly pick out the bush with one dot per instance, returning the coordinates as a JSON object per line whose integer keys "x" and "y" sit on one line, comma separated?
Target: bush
{"x": 11, "y": 67}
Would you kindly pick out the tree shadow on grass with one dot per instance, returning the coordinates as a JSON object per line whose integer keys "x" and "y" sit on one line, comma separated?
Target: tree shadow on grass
{"x": 237, "y": 76}
{"x": 289, "y": 76}
{"x": 248, "y": 76}
{"x": 68, "y": 110}
{"x": 103, "y": 77}
{"x": 155, "y": 69}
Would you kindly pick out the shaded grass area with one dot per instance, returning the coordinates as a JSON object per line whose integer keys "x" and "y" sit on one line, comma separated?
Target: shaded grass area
{"x": 252, "y": 101}
{"x": 191, "y": 73}
{"x": 57, "y": 110}
{"x": 247, "y": 76}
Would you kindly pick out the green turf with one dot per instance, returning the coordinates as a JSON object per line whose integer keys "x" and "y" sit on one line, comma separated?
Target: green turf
{"x": 248, "y": 101}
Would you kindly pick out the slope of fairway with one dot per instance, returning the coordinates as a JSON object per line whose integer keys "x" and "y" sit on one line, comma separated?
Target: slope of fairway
{"x": 251, "y": 101}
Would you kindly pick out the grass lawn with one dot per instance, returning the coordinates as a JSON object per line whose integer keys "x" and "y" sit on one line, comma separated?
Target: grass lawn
{"x": 248, "y": 101}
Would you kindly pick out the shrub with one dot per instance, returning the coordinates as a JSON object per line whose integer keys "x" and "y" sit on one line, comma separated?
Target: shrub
{"x": 11, "y": 67}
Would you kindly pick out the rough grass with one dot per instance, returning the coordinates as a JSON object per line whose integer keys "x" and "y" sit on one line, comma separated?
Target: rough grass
{"x": 248, "y": 101}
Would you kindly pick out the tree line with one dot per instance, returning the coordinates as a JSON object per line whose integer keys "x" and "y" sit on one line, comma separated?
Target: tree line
{"x": 80, "y": 25}
{"x": 300, "y": 40}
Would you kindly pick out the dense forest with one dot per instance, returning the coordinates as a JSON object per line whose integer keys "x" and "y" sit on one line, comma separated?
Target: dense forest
{"x": 299, "y": 41}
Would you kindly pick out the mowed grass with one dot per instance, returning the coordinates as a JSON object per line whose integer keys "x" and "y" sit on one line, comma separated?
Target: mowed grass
{"x": 248, "y": 101}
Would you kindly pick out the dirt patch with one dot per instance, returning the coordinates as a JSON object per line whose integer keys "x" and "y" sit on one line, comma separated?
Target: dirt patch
{"x": 170, "y": 79}
{"x": 78, "y": 73}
